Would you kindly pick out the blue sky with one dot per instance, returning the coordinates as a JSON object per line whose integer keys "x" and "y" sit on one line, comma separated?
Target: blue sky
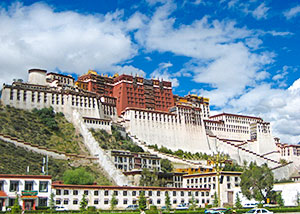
{"x": 243, "y": 55}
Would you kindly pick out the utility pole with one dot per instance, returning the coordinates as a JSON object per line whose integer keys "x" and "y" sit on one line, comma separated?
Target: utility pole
{"x": 218, "y": 162}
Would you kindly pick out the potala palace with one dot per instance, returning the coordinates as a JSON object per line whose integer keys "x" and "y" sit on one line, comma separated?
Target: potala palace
{"x": 151, "y": 114}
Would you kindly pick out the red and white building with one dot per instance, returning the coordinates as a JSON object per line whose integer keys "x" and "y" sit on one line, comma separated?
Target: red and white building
{"x": 32, "y": 190}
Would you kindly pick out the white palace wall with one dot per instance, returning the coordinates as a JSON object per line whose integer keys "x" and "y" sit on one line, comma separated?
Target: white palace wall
{"x": 171, "y": 134}
{"x": 28, "y": 97}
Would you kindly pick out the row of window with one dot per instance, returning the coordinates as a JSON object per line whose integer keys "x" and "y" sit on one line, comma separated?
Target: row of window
{"x": 126, "y": 201}
{"x": 28, "y": 185}
{"x": 209, "y": 179}
{"x": 126, "y": 193}
{"x": 98, "y": 122}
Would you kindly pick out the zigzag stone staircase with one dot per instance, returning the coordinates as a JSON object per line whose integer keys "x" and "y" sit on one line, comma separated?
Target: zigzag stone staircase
{"x": 115, "y": 175}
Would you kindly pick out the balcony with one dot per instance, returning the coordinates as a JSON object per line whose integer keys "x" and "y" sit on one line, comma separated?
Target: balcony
{"x": 29, "y": 193}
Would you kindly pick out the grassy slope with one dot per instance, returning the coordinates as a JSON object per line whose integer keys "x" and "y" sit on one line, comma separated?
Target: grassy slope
{"x": 27, "y": 126}
{"x": 115, "y": 141}
{"x": 14, "y": 160}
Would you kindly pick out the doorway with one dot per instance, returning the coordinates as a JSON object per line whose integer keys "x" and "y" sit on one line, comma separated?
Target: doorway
{"x": 28, "y": 204}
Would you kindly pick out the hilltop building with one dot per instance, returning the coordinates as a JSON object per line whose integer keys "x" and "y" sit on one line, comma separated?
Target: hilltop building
{"x": 148, "y": 110}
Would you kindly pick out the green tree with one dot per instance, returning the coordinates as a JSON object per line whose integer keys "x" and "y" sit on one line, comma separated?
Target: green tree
{"x": 283, "y": 161}
{"x": 47, "y": 116}
{"x": 52, "y": 202}
{"x": 83, "y": 203}
{"x": 78, "y": 176}
{"x": 16, "y": 207}
{"x": 166, "y": 165}
{"x": 193, "y": 204}
{"x": 215, "y": 201}
{"x": 257, "y": 182}
{"x": 279, "y": 199}
{"x": 142, "y": 201}
{"x": 238, "y": 203}
{"x": 168, "y": 201}
{"x": 298, "y": 199}
{"x": 150, "y": 178}
{"x": 113, "y": 202}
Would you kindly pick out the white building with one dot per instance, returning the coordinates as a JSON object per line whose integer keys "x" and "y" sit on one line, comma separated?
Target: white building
{"x": 69, "y": 196}
{"x": 33, "y": 190}
{"x": 57, "y": 91}
{"x": 228, "y": 181}
{"x": 127, "y": 161}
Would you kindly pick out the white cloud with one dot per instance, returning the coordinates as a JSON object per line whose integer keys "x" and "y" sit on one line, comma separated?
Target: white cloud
{"x": 37, "y": 36}
{"x": 128, "y": 69}
{"x": 162, "y": 73}
{"x": 260, "y": 12}
{"x": 219, "y": 52}
{"x": 293, "y": 12}
{"x": 148, "y": 58}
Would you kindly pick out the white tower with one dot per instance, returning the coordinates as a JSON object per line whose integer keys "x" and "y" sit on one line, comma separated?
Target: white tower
{"x": 37, "y": 76}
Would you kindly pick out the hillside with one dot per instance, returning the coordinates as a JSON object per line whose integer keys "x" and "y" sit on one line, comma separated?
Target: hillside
{"x": 41, "y": 127}
{"x": 14, "y": 160}
{"x": 115, "y": 141}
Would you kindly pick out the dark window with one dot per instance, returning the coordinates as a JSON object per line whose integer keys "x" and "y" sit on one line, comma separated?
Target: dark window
{"x": 75, "y": 202}
{"x": 1, "y": 185}
{"x": 125, "y": 201}
{"x": 11, "y": 202}
{"x": 106, "y": 192}
{"x": 96, "y": 201}
{"x": 150, "y": 193}
{"x": 14, "y": 186}
{"x": 86, "y": 192}
{"x": 66, "y": 201}
{"x": 43, "y": 202}
{"x": 182, "y": 193}
{"x": 58, "y": 201}
{"x": 158, "y": 193}
{"x": 66, "y": 192}
{"x": 43, "y": 187}
{"x": 174, "y": 201}
{"x": 96, "y": 192}
{"x": 75, "y": 192}
{"x": 58, "y": 192}
{"x": 133, "y": 193}
{"x": 158, "y": 201}
{"x": 190, "y": 193}
{"x": 115, "y": 193}
{"x": 106, "y": 201}
{"x": 174, "y": 193}
{"x": 124, "y": 193}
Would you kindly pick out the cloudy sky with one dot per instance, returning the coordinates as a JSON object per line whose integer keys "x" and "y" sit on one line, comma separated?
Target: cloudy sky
{"x": 243, "y": 55}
